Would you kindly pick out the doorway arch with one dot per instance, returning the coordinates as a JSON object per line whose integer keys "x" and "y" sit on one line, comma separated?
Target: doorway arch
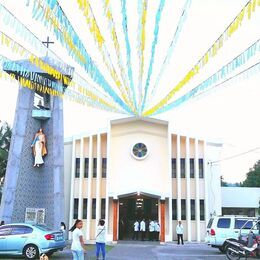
{"x": 136, "y": 206}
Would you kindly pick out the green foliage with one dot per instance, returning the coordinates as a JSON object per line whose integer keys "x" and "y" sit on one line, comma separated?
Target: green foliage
{"x": 223, "y": 183}
{"x": 5, "y": 140}
{"x": 253, "y": 176}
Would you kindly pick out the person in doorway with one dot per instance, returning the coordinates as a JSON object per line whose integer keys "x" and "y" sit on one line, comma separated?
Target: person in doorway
{"x": 136, "y": 230}
{"x": 101, "y": 239}
{"x": 151, "y": 230}
{"x": 77, "y": 245}
{"x": 156, "y": 230}
{"x": 39, "y": 147}
{"x": 142, "y": 229}
{"x": 179, "y": 231}
{"x": 121, "y": 229}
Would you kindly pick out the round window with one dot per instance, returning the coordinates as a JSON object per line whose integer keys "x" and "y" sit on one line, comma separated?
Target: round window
{"x": 139, "y": 151}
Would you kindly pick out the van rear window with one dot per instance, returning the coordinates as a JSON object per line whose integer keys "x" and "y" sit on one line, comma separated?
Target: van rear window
{"x": 223, "y": 223}
{"x": 210, "y": 223}
{"x": 243, "y": 223}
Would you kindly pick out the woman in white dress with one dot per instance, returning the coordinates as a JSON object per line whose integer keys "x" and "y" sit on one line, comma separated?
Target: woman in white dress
{"x": 39, "y": 147}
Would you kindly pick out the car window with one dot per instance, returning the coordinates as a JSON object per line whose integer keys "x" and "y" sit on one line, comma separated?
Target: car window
{"x": 17, "y": 230}
{"x": 43, "y": 227}
{"x": 241, "y": 222}
{"x": 223, "y": 223}
{"x": 4, "y": 231}
{"x": 210, "y": 223}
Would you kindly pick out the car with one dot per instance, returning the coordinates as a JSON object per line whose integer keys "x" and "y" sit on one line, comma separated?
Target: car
{"x": 220, "y": 228}
{"x": 30, "y": 240}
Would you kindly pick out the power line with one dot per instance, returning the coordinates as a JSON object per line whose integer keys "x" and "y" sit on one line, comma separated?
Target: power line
{"x": 234, "y": 156}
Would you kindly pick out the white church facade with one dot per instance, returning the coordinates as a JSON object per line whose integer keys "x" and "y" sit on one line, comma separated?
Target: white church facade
{"x": 137, "y": 169}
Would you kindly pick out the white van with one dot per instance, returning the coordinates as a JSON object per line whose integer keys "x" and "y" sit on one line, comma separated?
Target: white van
{"x": 221, "y": 228}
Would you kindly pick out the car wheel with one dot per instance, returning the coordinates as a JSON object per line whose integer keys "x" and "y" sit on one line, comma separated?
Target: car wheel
{"x": 31, "y": 252}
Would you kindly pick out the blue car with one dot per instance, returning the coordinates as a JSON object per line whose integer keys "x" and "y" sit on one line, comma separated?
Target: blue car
{"x": 30, "y": 240}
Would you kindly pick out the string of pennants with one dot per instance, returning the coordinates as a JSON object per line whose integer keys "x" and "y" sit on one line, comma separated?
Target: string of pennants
{"x": 221, "y": 76}
{"x": 246, "y": 12}
{"x": 121, "y": 96}
{"x": 36, "y": 82}
{"x": 78, "y": 84}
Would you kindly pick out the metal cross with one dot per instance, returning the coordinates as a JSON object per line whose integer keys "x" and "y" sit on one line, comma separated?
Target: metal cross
{"x": 47, "y": 42}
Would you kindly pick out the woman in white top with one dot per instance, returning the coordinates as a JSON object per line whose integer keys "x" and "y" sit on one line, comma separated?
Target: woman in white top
{"x": 101, "y": 239}
{"x": 77, "y": 245}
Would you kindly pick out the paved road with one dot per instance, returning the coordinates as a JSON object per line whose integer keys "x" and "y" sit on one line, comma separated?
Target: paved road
{"x": 150, "y": 251}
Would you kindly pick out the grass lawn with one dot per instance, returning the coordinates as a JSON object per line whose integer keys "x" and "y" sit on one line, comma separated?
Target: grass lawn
{"x": 91, "y": 247}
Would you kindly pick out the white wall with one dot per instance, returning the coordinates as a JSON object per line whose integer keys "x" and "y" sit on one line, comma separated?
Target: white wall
{"x": 240, "y": 197}
{"x": 149, "y": 175}
{"x": 67, "y": 179}
{"x": 213, "y": 177}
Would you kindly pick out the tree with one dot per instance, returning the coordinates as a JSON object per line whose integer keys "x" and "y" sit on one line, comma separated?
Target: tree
{"x": 5, "y": 140}
{"x": 223, "y": 183}
{"x": 253, "y": 176}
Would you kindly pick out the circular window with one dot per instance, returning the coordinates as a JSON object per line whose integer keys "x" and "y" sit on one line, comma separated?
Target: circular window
{"x": 139, "y": 151}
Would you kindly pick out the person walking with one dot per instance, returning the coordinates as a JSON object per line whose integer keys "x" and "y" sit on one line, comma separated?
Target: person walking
{"x": 136, "y": 230}
{"x": 179, "y": 231}
{"x": 142, "y": 229}
{"x": 101, "y": 239}
{"x": 77, "y": 245}
{"x": 151, "y": 230}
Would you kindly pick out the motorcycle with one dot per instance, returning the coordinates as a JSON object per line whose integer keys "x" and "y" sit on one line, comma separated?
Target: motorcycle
{"x": 237, "y": 248}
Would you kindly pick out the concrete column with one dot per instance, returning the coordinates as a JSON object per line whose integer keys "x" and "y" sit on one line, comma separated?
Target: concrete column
{"x": 115, "y": 219}
{"x": 108, "y": 171}
{"x": 90, "y": 174}
{"x": 72, "y": 185}
{"x": 187, "y": 174}
{"x": 197, "y": 187}
{"x": 206, "y": 201}
{"x": 170, "y": 183}
{"x": 98, "y": 180}
{"x": 178, "y": 175}
{"x": 162, "y": 207}
{"x": 81, "y": 176}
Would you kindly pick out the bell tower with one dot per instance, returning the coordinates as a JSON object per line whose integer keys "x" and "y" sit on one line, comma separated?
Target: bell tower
{"x": 35, "y": 194}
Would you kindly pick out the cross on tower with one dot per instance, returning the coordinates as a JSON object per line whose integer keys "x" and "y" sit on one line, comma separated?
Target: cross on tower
{"x": 48, "y": 42}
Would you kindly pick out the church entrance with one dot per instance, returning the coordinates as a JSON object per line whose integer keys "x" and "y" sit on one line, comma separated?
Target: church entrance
{"x": 136, "y": 208}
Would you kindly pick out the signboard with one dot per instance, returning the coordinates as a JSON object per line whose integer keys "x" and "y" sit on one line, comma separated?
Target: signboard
{"x": 35, "y": 215}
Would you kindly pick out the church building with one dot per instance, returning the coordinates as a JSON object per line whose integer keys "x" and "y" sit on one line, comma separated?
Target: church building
{"x": 141, "y": 168}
